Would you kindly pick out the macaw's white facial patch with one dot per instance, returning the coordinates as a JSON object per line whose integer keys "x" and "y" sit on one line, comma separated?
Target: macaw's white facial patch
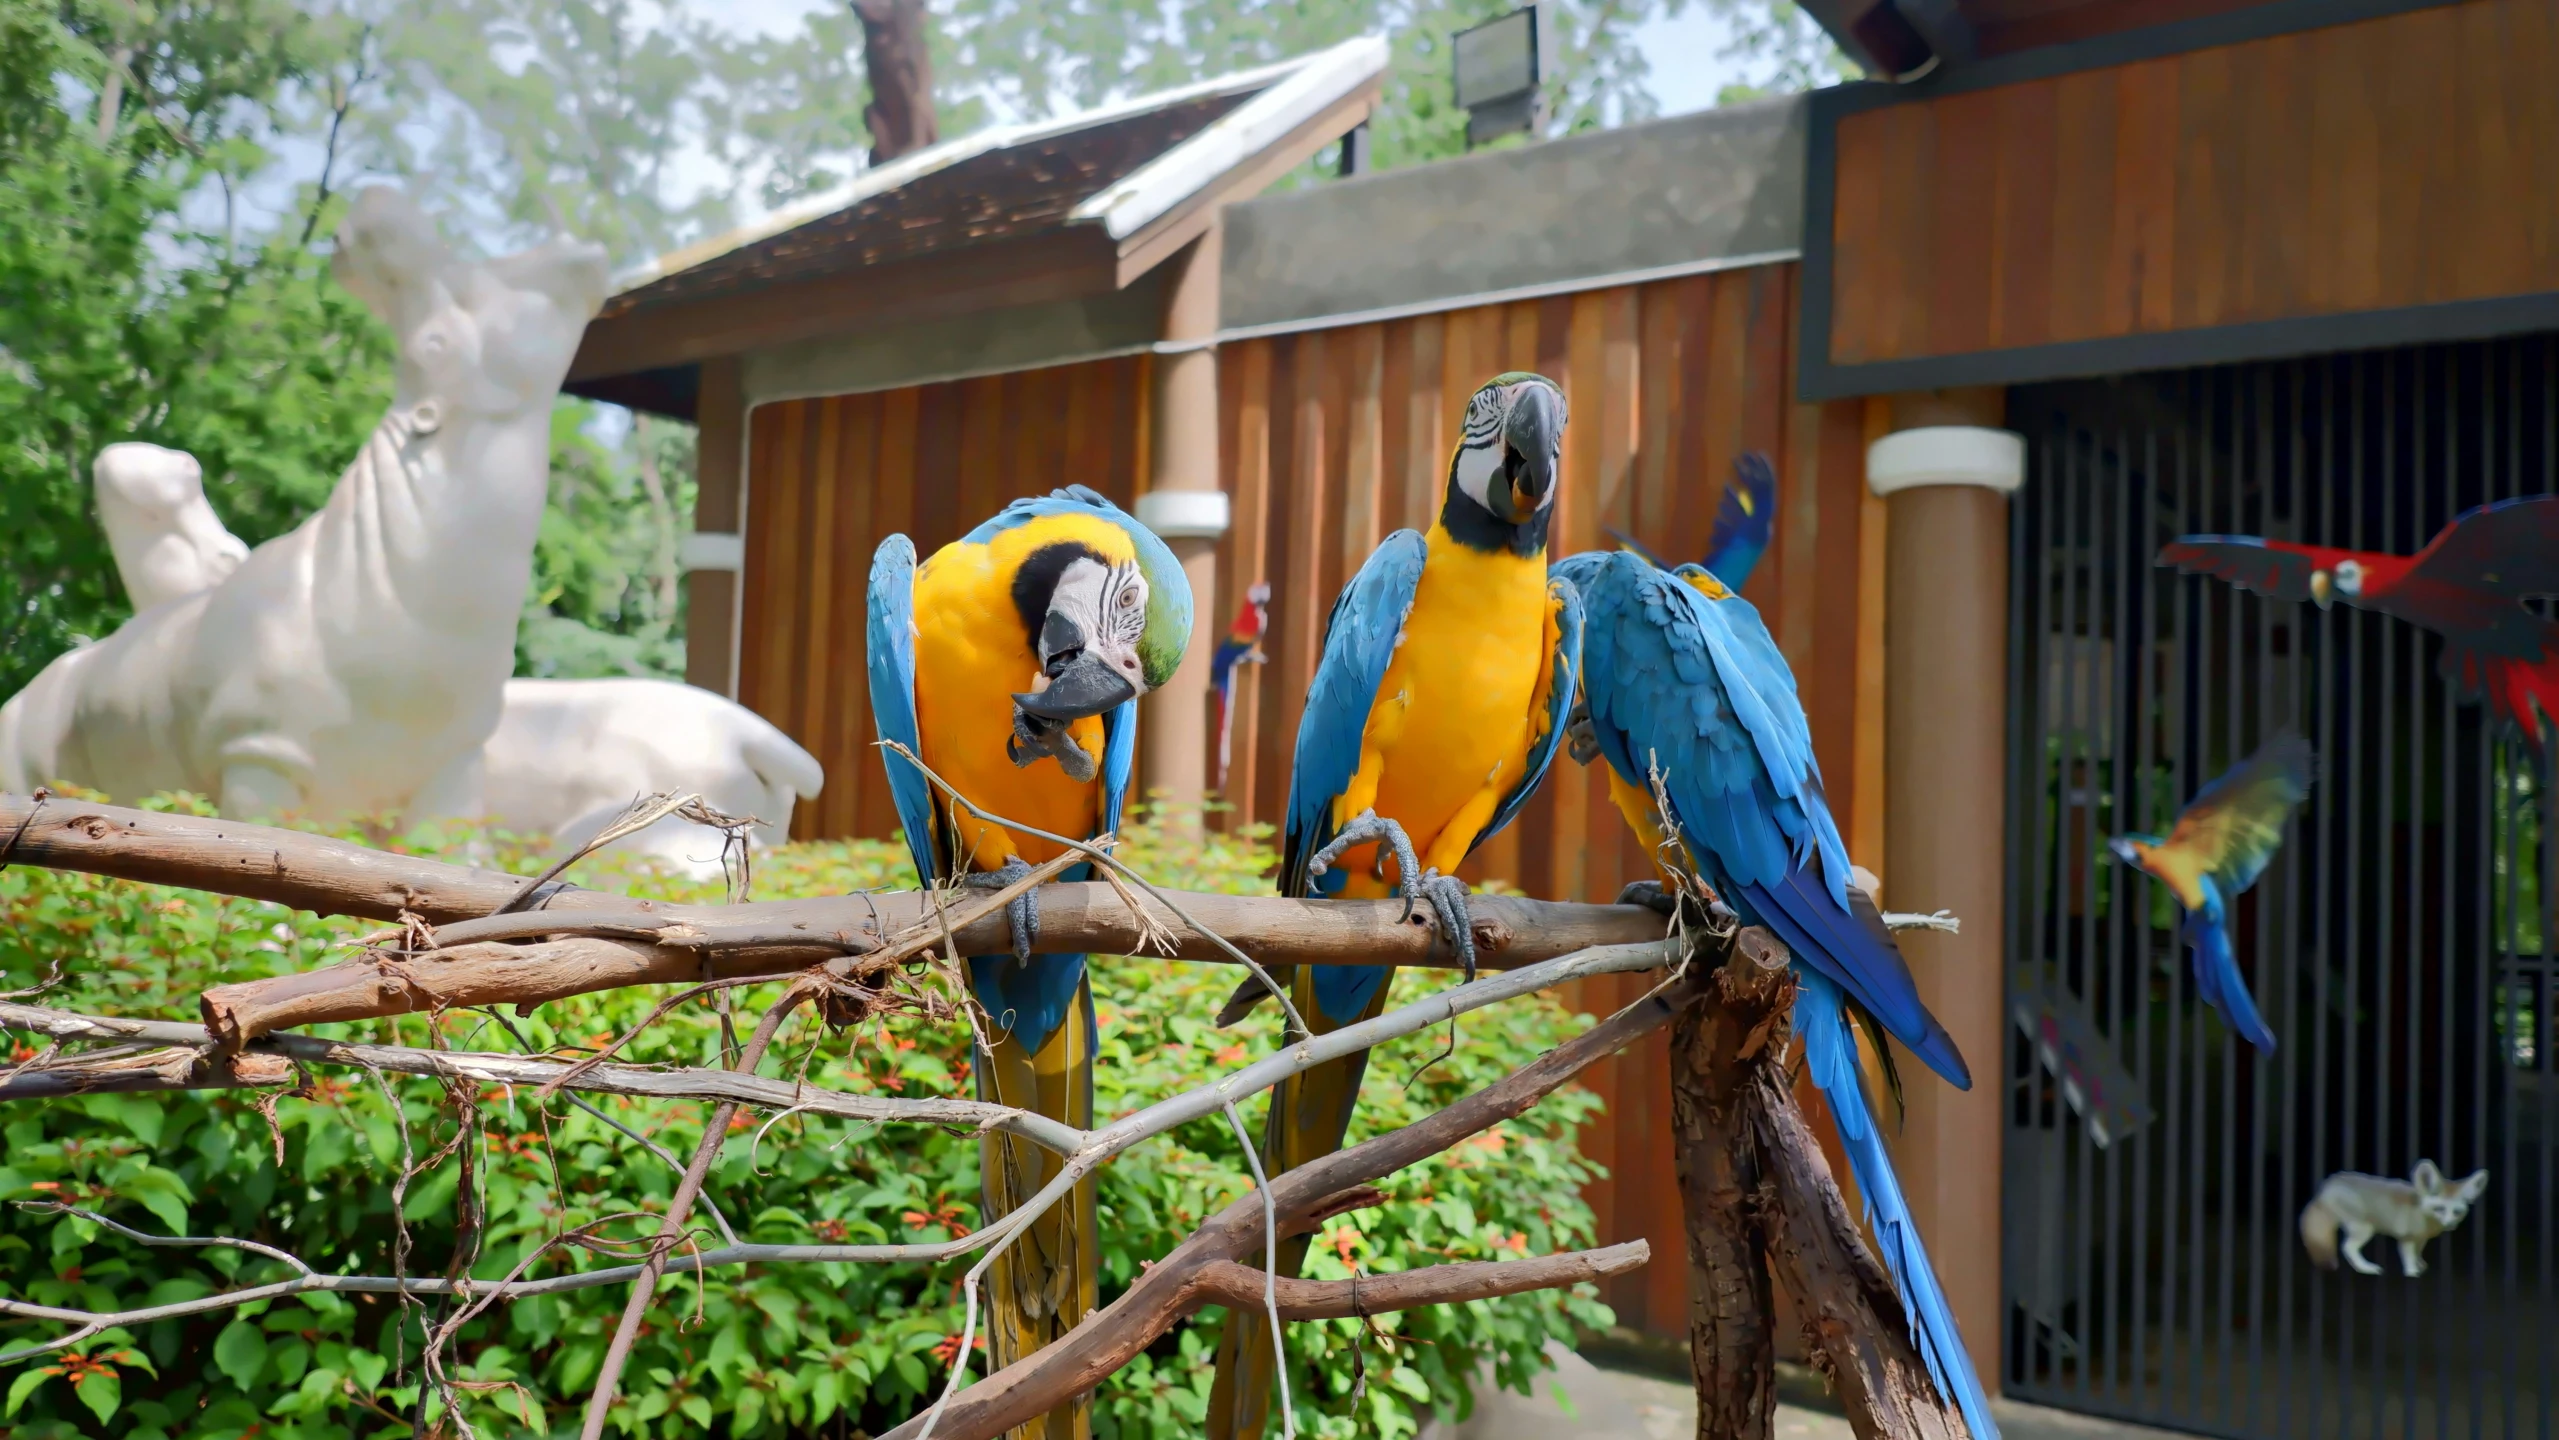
{"x": 1097, "y": 609}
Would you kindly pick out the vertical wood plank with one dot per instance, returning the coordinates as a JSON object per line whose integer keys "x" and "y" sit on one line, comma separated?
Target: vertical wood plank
{"x": 1860, "y": 243}
{"x": 893, "y": 498}
{"x": 2141, "y": 257}
{"x": 2022, "y": 216}
{"x": 1364, "y": 445}
{"x": 1424, "y": 465}
{"x": 1245, "y": 372}
{"x": 2083, "y": 204}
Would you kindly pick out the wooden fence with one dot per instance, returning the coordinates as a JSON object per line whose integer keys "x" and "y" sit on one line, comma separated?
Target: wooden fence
{"x": 1329, "y": 439}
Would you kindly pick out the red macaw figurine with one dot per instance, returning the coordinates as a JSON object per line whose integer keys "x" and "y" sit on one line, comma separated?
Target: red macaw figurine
{"x": 1243, "y": 643}
{"x": 2468, "y": 585}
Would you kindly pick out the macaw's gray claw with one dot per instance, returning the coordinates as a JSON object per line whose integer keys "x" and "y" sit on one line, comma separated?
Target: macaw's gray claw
{"x": 1581, "y": 738}
{"x": 1365, "y": 827}
{"x": 1022, "y": 910}
{"x": 1651, "y": 895}
{"x": 1447, "y": 897}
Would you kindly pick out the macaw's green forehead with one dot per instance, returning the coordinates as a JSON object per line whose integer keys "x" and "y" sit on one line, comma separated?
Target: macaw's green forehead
{"x": 1168, "y": 603}
{"x": 1509, "y": 378}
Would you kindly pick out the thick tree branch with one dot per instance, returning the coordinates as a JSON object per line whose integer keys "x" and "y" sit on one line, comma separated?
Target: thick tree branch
{"x": 1853, "y": 1321}
{"x": 666, "y": 943}
{"x": 1239, "y": 1287}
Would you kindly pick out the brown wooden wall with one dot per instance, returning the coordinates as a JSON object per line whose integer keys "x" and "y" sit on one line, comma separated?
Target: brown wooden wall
{"x": 1329, "y": 439}
{"x": 2401, "y": 161}
{"x": 829, "y": 479}
{"x": 1332, "y": 438}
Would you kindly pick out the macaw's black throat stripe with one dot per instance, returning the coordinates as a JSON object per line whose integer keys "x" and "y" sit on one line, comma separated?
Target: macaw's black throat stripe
{"x": 1036, "y": 582}
{"x": 1477, "y": 528}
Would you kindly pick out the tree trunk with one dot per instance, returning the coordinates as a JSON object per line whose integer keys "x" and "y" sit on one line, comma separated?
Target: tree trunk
{"x": 898, "y": 57}
{"x": 1854, "y": 1326}
{"x": 1715, "y": 1051}
{"x": 1755, "y": 1190}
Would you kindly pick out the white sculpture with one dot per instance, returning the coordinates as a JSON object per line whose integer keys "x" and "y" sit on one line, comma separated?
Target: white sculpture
{"x": 356, "y": 665}
{"x": 567, "y": 756}
{"x": 166, "y": 538}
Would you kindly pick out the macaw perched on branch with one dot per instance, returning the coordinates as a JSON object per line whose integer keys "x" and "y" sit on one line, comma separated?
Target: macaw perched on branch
{"x": 1436, "y": 707}
{"x": 1011, "y": 662}
{"x": 1710, "y": 760}
{"x": 2468, "y": 585}
{"x": 1242, "y": 645}
{"x": 2220, "y": 844}
{"x": 1744, "y": 522}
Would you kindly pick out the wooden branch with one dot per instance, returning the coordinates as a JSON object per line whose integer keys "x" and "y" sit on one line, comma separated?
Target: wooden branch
{"x": 1853, "y": 1321}
{"x": 1239, "y": 1287}
{"x": 1715, "y": 1050}
{"x": 1162, "y": 1295}
{"x": 655, "y": 942}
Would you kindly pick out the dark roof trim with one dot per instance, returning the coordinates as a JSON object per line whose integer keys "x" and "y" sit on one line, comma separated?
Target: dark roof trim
{"x": 1902, "y": 37}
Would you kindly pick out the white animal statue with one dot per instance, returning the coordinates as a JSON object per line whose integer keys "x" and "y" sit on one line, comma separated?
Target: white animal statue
{"x": 570, "y": 755}
{"x": 356, "y": 665}
{"x": 167, "y": 540}
{"x": 567, "y": 756}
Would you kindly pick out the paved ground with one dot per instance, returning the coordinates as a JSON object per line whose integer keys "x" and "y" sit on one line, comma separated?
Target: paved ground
{"x": 1626, "y": 1405}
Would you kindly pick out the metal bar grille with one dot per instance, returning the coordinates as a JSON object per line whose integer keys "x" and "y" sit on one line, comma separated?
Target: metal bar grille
{"x": 2401, "y": 945}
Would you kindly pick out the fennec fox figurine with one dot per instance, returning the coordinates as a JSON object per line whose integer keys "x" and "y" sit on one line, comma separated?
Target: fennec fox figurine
{"x": 2411, "y": 1211}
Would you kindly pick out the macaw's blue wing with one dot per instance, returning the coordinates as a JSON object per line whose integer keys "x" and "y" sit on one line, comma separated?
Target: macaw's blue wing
{"x": 1554, "y": 703}
{"x": 1744, "y": 522}
{"x": 1830, "y": 1057}
{"x": 1119, "y": 760}
{"x": 1359, "y": 642}
{"x": 1694, "y": 689}
{"x": 891, "y": 645}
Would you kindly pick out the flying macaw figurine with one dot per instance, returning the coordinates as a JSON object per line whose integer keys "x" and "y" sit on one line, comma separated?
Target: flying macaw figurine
{"x": 2219, "y": 846}
{"x": 1437, "y": 705}
{"x": 2468, "y": 585}
{"x": 1743, "y": 524}
{"x": 1011, "y": 662}
{"x": 1242, "y": 645}
{"x": 1686, "y": 688}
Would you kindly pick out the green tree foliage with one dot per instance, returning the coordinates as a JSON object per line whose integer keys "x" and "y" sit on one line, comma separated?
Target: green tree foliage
{"x": 129, "y": 313}
{"x": 774, "y": 1350}
{"x": 1781, "y": 47}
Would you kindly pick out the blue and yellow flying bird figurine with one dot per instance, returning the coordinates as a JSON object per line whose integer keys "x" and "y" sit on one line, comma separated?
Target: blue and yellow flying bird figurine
{"x": 2222, "y": 841}
{"x": 1012, "y": 662}
{"x": 1685, "y": 690}
{"x": 1744, "y": 524}
{"x": 1436, "y": 708}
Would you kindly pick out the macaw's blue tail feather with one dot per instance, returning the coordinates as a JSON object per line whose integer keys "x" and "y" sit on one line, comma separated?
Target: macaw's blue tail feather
{"x": 1342, "y": 992}
{"x": 1830, "y": 1055}
{"x": 1838, "y": 944}
{"x": 1027, "y": 999}
{"x": 2217, "y": 977}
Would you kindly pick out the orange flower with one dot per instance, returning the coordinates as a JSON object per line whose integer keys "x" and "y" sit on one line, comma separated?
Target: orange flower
{"x": 1231, "y": 1055}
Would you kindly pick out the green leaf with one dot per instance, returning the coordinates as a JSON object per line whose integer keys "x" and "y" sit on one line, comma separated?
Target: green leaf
{"x": 698, "y": 1408}
{"x": 102, "y": 1392}
{"x": 240, "y": 1352}
{"x": 22, "y": 1387}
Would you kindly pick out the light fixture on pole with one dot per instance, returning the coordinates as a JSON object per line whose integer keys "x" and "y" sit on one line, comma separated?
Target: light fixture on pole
{"x": 1502, "y": 67}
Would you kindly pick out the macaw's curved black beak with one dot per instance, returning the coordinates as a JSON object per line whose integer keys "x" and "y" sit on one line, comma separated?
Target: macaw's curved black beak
{"x": 1529, "y": 444}
{"x": 1084, "y": 685}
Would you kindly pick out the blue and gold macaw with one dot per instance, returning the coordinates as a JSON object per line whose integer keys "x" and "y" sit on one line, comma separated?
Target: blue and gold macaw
{"x": 1012, "y": 662}
{"x": 1439, "y": 702}
{"x": 1744, "y": 523}
{"x": 1686, "y": 692}
{"x": 2221, "y": 843}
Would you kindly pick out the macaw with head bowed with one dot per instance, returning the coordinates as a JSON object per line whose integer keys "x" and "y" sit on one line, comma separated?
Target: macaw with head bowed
{"x": 1437, "y": 706}
{"x": 1710, "y": 759}
{"x": 1011, "y": 662}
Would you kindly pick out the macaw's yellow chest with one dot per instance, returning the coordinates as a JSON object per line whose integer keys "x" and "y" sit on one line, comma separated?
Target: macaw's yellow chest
{"x": 1451, "y": 730}
{"x": 972, "y": 655}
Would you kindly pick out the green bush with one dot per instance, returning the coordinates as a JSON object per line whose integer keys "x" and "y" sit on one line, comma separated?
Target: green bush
{"x": 766, "y": 1350}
